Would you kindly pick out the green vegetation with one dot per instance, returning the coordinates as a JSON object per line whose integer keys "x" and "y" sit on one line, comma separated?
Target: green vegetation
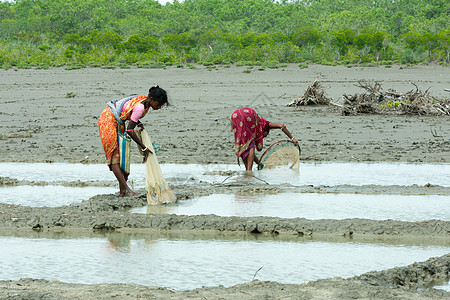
{"x": 71, "y": 95}
{"x": 391, "y": 104}
{"x": 146, "y": 34}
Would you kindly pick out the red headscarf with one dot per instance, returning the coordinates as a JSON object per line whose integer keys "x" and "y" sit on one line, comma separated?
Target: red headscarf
{"x": 248, "y": 127}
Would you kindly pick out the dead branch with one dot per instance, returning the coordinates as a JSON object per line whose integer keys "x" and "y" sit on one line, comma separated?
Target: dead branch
{"x": 373, "y": 89}
{"x": 314, "y": 95}
{"x": 434, "y": 134}
{"x": 413, "y": 102}
{"x": 376, "y": 101}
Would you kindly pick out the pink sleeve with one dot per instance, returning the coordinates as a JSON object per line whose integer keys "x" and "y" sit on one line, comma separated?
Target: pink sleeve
{"x": 137, "y": 112}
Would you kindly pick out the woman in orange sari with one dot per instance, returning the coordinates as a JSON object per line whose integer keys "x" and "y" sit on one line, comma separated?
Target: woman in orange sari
{"x": 249, "y": 131}
{"x": 113, "y": 118}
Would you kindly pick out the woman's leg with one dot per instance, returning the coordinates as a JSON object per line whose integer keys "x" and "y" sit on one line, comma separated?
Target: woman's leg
{"x": 123, "y": 186}
{"x": 249, "y": 160}
{"x": 108, "y": 134}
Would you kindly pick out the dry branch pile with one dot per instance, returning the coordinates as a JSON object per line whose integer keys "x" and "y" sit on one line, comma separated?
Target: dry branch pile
{"x": 393, "y": 102}
{"x": 314, "y": 95}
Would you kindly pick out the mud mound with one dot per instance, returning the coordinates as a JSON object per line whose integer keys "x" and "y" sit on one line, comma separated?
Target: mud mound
{"x": 372, "y": 285}
{"x": 422, "y": 274}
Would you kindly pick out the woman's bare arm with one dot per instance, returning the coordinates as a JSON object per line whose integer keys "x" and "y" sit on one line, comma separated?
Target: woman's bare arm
{"x": 130, "y": 130}
{"x": 285, "y": 130}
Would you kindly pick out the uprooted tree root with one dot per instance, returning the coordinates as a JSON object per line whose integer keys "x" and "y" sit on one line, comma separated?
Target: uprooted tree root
{"x": 314, "y": 95}
{"x": 375, "y": 101}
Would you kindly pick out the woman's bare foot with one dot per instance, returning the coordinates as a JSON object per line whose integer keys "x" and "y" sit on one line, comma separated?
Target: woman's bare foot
{"x": 128, "y": 193}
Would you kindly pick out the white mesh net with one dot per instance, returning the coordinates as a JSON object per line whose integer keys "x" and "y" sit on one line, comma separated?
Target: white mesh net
{"x": 282, "y": 153}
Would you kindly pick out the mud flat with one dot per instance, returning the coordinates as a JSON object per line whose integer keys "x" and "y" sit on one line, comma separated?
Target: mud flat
{"x": 40, "y": 124}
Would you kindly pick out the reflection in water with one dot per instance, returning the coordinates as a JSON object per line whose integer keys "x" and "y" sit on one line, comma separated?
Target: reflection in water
{"x": 155, "y": 235}
{"x": 159, "y": 209}
{"x": 243, "y": 198}
{"x": 181, "y": 263}
{"x": 119, "y": 243}
{"x": 49, "y": 195}
{"x": 331, "y": 173}
{"x": 187, "y": 264}
{"x": 317, "y": 206}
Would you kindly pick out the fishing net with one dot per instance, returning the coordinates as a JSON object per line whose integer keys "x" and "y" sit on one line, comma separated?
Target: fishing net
{"x": 282, "y": 153}
{"x": 158, "y": 191}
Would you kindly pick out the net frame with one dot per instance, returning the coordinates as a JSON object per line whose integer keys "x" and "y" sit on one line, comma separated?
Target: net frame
{"x": 274, "y": 147}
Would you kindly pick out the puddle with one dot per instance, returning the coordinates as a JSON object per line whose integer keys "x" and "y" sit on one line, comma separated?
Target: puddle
{"x": 50, "y": 195}
{"x": 313, "y": 206}
{"x": 187, "y": 264}
{"x": 309, "y": 174}
{"x": 283, "y": 205}
{"x": 289, "y": 205}
{"x": 445, "y": 287}
{"x": 182, "y": 263}
{"x": 375, "y": 173}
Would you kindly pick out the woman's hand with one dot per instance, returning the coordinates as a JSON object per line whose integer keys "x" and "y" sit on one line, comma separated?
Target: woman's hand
{"x": 146, "y": 153}
{"x": 294, "y": 141}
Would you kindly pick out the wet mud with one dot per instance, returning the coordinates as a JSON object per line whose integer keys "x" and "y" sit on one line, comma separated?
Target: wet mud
{"x": 196, "y": 130}
{"x": 109, "y": 212}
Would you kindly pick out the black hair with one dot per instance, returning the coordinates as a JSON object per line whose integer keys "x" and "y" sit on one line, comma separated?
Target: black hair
{"x": 158, "y": 94}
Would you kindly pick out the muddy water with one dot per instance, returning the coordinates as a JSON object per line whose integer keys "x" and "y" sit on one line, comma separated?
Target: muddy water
{"x": 191, "y": 263}
{"x": 285, "y": 205}
{"x": 49, "y": 195}
{"x": 445, "y": 287}
{"x": 183, "y": 263}
{"x": 309, "y": 173}
{"x": 314, "y": 206}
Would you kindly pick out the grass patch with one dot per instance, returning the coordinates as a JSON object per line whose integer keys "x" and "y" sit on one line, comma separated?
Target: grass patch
{"x": 75, "y": 67}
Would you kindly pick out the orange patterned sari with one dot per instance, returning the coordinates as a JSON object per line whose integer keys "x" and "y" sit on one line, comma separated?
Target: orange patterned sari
{"x": 107, "y": 126}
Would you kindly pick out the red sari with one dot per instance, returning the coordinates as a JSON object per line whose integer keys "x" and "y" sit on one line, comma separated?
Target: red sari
{"x": 107, "y": 125}
{"x": 248, "y": 130}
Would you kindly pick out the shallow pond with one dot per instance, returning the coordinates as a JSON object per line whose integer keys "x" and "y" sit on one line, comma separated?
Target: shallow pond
{"x": 309, "y": 174}
{"x": 183, "y": 263}
{"x": 313, "y": 206}
{"x": 286, "y": 205}
{"x": 445, "y": 287}
{"x": 191, "y": 263}
{"x": 49, "y": 195}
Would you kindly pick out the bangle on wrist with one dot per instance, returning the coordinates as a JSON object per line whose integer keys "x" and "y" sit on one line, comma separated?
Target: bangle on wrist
{"x": 145, "y": 149}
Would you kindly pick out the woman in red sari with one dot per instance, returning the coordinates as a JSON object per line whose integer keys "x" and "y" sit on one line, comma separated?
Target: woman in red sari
{"x": 249, "y": 131}
{"x": 117, "y": 112}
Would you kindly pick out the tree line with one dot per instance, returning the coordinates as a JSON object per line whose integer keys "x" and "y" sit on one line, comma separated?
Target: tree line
{"x": 42, "y": 33}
